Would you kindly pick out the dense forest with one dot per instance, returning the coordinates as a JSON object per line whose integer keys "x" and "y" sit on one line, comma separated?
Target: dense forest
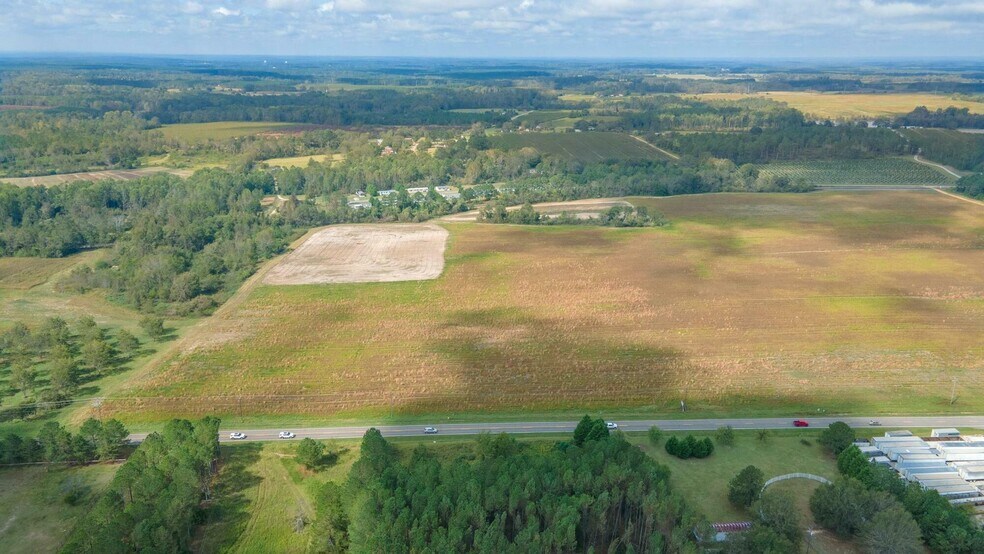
{"x": 971, "y": 185}
{"x": 155, "y": 498}
{"x": 184, "y": 244}
{"x": 948, "y": 118}
{"x": 791, "y": 142}
{"x": 594, "y": 493}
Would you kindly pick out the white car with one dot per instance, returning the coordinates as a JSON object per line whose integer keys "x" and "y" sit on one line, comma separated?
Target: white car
{"x": 430, "y": 430}
{"x": 237, "y": 436}
{"x": 874, "y": 423}
{"x": 286, "y": 435}
{"x": 611, "y": 425}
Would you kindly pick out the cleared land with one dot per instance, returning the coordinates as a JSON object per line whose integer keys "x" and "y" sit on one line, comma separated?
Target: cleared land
{"x": 758, "y": 303}
{"x": 364, "y": 254}
{"x": 885, "y": 172}
{"x": 25, "y": 273}
{"x": 303, "y": 161}
{"x": 583, "y": 147}
{"x": 33, "y": 514}
{"x": 221, "y": 130}
{"x": 847, "y": 106}
{"x": 115, "y": 174}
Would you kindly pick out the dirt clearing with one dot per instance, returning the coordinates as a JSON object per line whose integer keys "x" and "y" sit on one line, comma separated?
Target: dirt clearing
{"x": 364, "y": 254}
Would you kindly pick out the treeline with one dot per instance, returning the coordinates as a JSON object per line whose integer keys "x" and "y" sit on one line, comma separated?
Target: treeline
{"x": 961, "y": 150}
{"x": 945, "y": 118}
{"x": 597, "y": 493}
{"x": 180, "y": 246}
{"x": 352, "y": 108}
{"x": 971, "y": 185}
{"x": 41, "y": 143}
{"x": 666, "y": 113}
{"x": 96, "y": 440}
{"x": 803, "y": 142}
{"x": 48, "y": 363}
{"x": 154, "y": 500}
{"x": 616, "y": 216}
{"x": 642, "y": 178}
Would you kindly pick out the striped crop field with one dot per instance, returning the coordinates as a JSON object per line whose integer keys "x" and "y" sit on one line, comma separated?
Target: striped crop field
{"x": 875, "y": 172}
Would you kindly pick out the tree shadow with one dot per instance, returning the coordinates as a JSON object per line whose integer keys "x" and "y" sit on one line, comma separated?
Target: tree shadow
{"x": 227, "y": 512}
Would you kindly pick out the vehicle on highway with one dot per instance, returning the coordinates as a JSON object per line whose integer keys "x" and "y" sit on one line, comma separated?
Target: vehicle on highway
{"x": 800, "y": 423}
{"x": 430, "y": 430}
{"x": 874, "y": 423}
{"x": 611, "y": 425}
{"x": 286, "y": 435}
{"x": 236, "y": 436}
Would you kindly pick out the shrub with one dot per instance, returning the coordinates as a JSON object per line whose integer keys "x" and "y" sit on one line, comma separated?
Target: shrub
{"x": 725, "y": 436}
{"x": 837, "y": 437}
{"x": 746, "y": 487}
{"x": 655, "y": 435}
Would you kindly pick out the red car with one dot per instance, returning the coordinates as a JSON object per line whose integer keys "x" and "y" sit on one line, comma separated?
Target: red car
{"x": 800, "y": 423}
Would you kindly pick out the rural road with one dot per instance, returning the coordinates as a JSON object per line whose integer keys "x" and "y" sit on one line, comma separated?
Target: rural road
{"x": 455, "y": 429}
{"x": 936, "y": 165}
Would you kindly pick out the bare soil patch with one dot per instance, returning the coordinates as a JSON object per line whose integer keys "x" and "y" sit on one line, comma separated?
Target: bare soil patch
{"x": 364, "y": 254}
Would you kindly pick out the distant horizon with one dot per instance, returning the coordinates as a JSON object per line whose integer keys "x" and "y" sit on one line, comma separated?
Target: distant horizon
{"x": 499, "y": 29}
{"x": 705, "y": 59}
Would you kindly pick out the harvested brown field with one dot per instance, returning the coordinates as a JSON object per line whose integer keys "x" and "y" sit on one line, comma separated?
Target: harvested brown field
{"x": 850, "y": 302}
{"x": 116, "y": 174}
{"x": 364, "y": 254}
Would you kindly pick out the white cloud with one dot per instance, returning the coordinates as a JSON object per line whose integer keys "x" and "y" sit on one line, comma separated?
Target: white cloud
{"x": 558, "y": 27}
{"x": 225, "y": 12}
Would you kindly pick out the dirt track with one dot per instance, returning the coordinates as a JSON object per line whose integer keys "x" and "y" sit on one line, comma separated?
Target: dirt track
{"x": 364, "y": 254}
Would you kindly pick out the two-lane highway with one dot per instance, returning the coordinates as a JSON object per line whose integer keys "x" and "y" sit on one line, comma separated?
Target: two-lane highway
{"x": 456, "y": 429}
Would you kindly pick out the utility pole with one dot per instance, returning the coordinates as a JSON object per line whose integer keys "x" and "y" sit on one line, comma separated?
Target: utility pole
{"x": 953, "y": 392}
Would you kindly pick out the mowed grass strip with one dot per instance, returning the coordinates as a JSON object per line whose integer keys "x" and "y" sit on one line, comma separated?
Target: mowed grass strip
{"x": 873, "y": 172}
{"x": 24, "y": 273}
{"x": 829, "y": 105}
{"x": 220, "y": 130}
{"x": 587, "y": 147}
{"x": 758, "y": 303}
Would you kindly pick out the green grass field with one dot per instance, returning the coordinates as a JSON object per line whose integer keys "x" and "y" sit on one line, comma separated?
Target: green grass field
{"x": 34, "y": 517}
{"x": 28, "y": 294}
{"x": 220, "y": 130}
{"x": 704, "y": 483}
{"x": 583, "y": 147}
{"x": 875, "y": 172}
{"x": 747, "y": 303}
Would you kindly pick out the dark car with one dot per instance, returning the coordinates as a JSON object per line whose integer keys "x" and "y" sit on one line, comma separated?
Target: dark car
{"x": 800, "y": 423}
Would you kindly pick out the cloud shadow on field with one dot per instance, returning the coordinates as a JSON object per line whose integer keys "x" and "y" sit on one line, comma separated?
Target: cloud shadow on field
{"x": 507, "y": 359}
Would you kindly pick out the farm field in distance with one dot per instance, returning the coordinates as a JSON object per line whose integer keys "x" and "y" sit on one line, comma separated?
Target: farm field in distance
{"x": 875, "y": 172}
{"x": 827, "y": 105}
{"x": 115, "y": 174}
{"x": 583, "y": 147}
{"x": 219, "y": 130}
{"x": 751, "y": 303}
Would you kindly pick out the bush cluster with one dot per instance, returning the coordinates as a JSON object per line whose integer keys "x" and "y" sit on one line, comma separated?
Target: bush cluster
{"x": 689, "y": 447}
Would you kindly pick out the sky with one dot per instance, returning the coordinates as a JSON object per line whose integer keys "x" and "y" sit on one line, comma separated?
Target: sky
{"x": 783, "y": 29}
